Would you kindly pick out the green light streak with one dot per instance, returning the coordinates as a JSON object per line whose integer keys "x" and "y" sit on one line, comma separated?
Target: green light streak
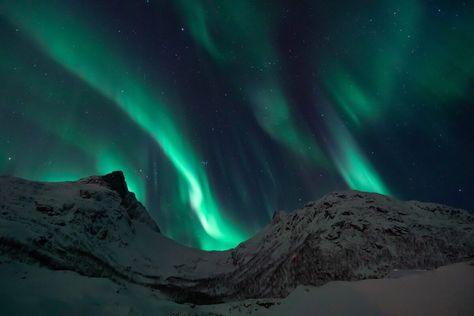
{"x": 239, "y": 28}
{"x": 350, "y": 97}
{"x": 83, "y": 52}
{"x": 362, "y": 83}
{"x": 275, "y": 117}
{"x": 351, "y": 162}
{"x": 195, "y": 15}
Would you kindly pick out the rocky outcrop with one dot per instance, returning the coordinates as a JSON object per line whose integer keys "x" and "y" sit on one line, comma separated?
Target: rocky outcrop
{"x": 116, "y": 182}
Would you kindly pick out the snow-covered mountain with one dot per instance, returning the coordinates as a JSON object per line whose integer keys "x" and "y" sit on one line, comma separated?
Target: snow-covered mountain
{"x": 349, "y": 236}
{"x": 97, "y": 228}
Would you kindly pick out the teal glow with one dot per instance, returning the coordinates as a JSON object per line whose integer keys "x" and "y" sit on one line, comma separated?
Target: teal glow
{"x": 352, "y": 164}
{"x": 354, "y": 101}
{"x": 275, "y": 116}
{"x": 81, "y": 50}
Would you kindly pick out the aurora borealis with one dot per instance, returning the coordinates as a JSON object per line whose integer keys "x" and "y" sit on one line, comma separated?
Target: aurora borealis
{"x": 222, "y": 112}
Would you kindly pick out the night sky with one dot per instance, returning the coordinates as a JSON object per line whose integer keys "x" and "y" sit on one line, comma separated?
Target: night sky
{"x": 222, "y": 112}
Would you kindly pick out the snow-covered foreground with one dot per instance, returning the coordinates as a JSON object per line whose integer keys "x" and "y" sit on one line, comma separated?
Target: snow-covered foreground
{"x": 32, "y": 290}
{"x": 448, "y": 290}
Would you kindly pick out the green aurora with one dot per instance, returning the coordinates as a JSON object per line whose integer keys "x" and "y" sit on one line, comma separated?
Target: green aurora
{"x": 219, "y": 113}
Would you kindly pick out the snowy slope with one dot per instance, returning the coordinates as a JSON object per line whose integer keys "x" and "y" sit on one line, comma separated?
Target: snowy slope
{"x": 441, "y": 292}
{"x": 31, "y": 290}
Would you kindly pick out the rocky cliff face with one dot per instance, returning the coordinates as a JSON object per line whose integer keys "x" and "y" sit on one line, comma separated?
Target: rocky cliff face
{"x": 115, "y": 181}
{"x": 96, "y": 227}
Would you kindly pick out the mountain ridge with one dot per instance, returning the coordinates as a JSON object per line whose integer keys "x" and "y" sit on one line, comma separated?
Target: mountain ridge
{"x": 96, "y": 227}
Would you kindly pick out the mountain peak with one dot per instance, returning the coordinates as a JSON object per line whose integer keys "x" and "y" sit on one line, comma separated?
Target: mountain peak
{"x": 114, "y": 181}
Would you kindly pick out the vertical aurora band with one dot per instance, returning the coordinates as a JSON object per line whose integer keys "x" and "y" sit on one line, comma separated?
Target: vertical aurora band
{"x": 78, "y": 48}
{"x": 352, "y": 164}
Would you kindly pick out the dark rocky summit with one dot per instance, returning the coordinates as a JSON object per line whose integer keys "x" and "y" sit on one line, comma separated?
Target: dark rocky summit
{"x": 116, "y": 182}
